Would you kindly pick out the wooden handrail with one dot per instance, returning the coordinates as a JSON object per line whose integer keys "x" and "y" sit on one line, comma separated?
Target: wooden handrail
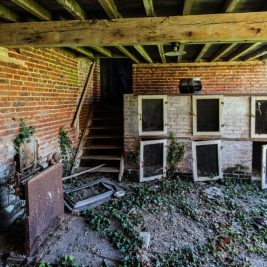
{"x": 82, "y": 98}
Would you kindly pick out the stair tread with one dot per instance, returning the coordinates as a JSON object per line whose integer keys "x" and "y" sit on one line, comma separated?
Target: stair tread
{"x": 102, "y": 147}
{"x": 102, "y": 157}
{"x": 102, "y": 169}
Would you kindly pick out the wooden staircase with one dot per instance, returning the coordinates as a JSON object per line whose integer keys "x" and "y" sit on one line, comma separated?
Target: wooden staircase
{"x": 103, "y": 143}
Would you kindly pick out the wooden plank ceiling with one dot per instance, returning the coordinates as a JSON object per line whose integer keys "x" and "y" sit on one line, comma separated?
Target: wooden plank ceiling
{"x": 207, "y": 50}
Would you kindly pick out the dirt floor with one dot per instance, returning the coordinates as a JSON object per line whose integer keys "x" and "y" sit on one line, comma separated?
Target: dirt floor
{"x": 222, "y": 223}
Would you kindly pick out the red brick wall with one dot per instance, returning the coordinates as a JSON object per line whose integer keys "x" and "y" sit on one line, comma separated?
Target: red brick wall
{"x": 216, "y": 78}
{"x": 45, "y": 89}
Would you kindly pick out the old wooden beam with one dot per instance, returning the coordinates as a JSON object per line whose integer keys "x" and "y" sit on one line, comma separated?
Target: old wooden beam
{"x": 141, "y": 50}
{"x": 8, "y": 14}
{"x": 202, "y": 52}
{"x": 34, "y": 8}
{"x": 187, "y": 7}
{"x": 231, "y": 5}
{"x": 243, "y": 52}
{"x": 149, "y": 8}
{"x": 137, "y": 31}
{"x": 102, "y": 51}
{"x": 73, "y": 8}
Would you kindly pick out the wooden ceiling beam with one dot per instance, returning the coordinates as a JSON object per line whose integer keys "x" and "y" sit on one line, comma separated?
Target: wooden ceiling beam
{"x": 73, "y": 8}
{"x": 83, "y": 51}
{"x": 256, "y": 54}
{"x": 161, "y": 53}
{"x": 231, "y": 5}
{"x": 111, "y": 9}
{"x": 102, "y": 51}
{"x": 223, "y": 51}
{"x": 243, "y": 52}
{"x": 34, "y": 8}
{"x": 78, "y": 12}
{"x": 202, "y": 52}
{"x": 137, "y": 31}
{"x": 128, "y": 54}
{"x": 187, "y": 7}
{"x": 181, "y": 48}
{"x": 149, "y": 8}
{"x": 8, "y": 14}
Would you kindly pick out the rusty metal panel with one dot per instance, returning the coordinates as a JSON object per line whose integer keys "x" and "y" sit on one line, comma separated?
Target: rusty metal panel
{"x": 44, "y": 204}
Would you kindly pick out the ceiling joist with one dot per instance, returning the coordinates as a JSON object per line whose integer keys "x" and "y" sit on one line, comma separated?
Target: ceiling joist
{"x": 231, "y": 5}
{"x": 223, "y": 52}
{"x": 112, "y": 11}
{"x": 83, "y": 51}
{"x": 202, "y": 52}
{"x": 149, "y": 8}
{"x": 8, "y": 14}
{"x": 137, "y": 31}
{"x": 256, "y": 54}
{"x": 73, "y": 8}
{"x": 127, "y": 53}
{"x": 187, "y": 7}
{"x": 181, "y": 48}
{"x": 34, "y": 8}
{"x": 161, "y": 53}
{"x": 243, "y": 52}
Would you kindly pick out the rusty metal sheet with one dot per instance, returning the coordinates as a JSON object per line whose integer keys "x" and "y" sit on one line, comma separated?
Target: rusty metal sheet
{"x": 44, "y": 204}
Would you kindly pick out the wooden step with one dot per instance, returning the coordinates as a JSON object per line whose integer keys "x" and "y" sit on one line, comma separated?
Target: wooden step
{"x": 102, "y": 169}
{"x": 101, "y": 157}
{"x": 103, "y": 137}
{"x": 102, "y": 147}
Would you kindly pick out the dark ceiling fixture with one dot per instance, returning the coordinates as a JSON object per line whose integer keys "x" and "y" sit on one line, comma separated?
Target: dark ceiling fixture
{"x": 175, "y": 52}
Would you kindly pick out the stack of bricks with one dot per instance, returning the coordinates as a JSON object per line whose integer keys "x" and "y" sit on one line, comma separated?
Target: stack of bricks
{"x": 43, "y": 86}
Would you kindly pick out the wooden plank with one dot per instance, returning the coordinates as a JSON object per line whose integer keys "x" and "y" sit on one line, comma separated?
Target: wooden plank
{"x": 181, "y": 48}
{"x": 161, "y": 53}
{"x": 110, "y": 8}
{"x": 128, "y": 54}
{"x": 141, "y": 50}
{"x": 8, "y": 14}
{"x": 187, "y": 7}
{"x": 137, "y": 31}
{"x": 149, "y": 8}
{"x": 223, "y": 51}
{"x": 83, "y": 51}
{"x": 202, "y": 52}
{"x": 243, "y": 52}
{"x": 102, "y": 51}
{"x": 34, "y": 8}
{"x": 73, "y": 8}
{"x": 81, "y": 101}
{"x": 231, "y": 5}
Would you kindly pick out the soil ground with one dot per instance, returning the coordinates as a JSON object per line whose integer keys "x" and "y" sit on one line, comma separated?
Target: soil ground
{"x": 222, "y": 223}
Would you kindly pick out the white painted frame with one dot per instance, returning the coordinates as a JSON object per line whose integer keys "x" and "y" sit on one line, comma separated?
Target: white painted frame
{"x": 263, "y": 168}
{"x": 164, "y": 99}
{"x": 253, "y": 116}
{"x": 201, "y": 143}
{"x": 151, "y": 142}
{"x": 194, "y": 113}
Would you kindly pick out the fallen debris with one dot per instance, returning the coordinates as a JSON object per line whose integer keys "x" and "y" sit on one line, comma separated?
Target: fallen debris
{"x": 106, "y": 189}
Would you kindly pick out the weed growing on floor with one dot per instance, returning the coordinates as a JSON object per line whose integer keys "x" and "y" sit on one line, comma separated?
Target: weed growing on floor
{"x": 67, "y": 150}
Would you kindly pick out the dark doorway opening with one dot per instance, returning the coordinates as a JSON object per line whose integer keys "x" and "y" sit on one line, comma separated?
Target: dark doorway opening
{"x": 116, "y": 79}
{"x": 257, "y": 159}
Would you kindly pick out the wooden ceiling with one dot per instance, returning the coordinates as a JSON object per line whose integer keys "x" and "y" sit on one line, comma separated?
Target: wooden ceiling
{"x": 169, "y": 22}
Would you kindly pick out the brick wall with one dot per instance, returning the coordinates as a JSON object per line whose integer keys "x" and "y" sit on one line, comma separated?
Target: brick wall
{"x": 44, "y": 86}
{"x": 216, "y": 78}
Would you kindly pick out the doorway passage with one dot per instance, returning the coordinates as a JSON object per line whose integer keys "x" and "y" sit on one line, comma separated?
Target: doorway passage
{"x": 116, "y": 79}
